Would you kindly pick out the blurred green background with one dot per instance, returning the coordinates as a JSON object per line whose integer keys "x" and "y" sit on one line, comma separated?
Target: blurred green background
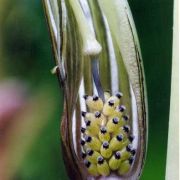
{"x": 25, "y": 54}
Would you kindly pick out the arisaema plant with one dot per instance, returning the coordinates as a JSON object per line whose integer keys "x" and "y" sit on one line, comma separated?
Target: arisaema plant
{"x": 99, "y": 67}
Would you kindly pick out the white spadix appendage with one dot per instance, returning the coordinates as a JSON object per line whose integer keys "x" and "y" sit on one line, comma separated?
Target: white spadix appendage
{"x": 90, "y": 44}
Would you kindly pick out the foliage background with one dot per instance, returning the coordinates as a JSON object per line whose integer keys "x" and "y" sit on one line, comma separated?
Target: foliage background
{"x": 25, "y": 54}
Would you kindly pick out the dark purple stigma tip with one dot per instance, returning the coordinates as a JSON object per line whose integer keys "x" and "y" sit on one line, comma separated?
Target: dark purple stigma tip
{"x": 131, "y": 138}
{"x": 117, "y": 155}
{"x": 129, "y": 148}
{"x": 119, "y": 137}
{"x": 83, "y": 113}
{"x": 121, "y": 108}
{"x": 88, "y": 123}
{"x": 83, "y": 155}
{"x": 105, "y": 145}
{"x": 126, "y": 128}
{"x": 87, "y": 163}
{"x": 83, "y": 130}
{"x": 95, "y": 98}
{"x": 88, "y": 138}
{"x": 131, "y": 159}
{"x": 103, "y": 129}
{"x": 115, "y": 120}
{"x": 100, "y": 160}
{"x": 111, "y": 103}
{"x": 133, "y": 152}
{"x": 85, "y": 96}
{"x": 125, "y": 117}
{"x": 97, "y": 114}
{"x": 82, "y": 142}
{"x": 119, "y": 95}
{"x": 90, "y": 152}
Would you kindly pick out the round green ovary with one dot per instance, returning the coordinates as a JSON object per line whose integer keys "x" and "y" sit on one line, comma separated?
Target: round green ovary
{"x": 106, "y": 135}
